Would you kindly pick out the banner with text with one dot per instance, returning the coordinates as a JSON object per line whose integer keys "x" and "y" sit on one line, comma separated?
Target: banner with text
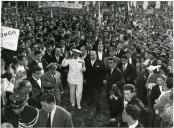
{"x": 9, "y": 38}
{"x": 59, "y": 4}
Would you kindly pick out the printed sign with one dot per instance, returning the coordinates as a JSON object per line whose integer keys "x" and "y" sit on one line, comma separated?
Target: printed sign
{"x": 9, "y": 38}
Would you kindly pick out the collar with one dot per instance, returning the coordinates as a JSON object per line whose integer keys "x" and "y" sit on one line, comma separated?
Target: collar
{"x": 112, "y": 69}
{"x": 34, "y": 78}
{"x": 84, "y": 56}
{"x": 93, "y": 60}
{"x": 125, "y": 65}
{"x": 54, "y": 110}
{"x": 100, "y": 52}
{"x": 38, "y": 61}
{"x": 134, "y": 125}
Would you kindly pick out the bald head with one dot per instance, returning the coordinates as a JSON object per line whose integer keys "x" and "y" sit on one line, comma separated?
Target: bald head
{"x": 93, "y": 55}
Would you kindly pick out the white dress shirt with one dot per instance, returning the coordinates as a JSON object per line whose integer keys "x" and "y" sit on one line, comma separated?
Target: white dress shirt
{"x": 57, "y": 58}
{"x": 125, "y": 66}
{"x": 52, "y": 114}
{"x": 38, "y": 81}
{"x": 134, "y": 125}
{"x": 100, "y": 55}
{"x": 75, "y": 74}
{"x": 39, "y": 63}
{"x": 130, "y": 60}
{"x": 92, "y": 62}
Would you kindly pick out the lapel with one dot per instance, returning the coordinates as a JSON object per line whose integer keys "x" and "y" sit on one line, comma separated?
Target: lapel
{"x": 43, "y": 117}
{"x": 95, "y": 63}
{"x": 56, "y": 119}
{"x": 36, "y": 85}
{"x": 54, "y": 79}
{"x": 158, "y": 90}
{"x": 54, "y": 123}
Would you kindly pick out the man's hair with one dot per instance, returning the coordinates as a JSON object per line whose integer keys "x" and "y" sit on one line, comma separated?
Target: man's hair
{"x": 124, "y": 57}
{"x": 133, "y": 111}
{"x": 36, "y": 52}
{"x": 130, "y": 87}
{"x": 111, "y": 58}
{"x": 36, "y": 68}
{"x": 20, "y": 57}
{"x": 162, "y": 77}
{"x": 84, "y": 46}
{"x": 48, "y": 98}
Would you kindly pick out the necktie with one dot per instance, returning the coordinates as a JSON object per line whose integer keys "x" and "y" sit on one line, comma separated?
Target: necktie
{"x": 49, "y": 120}
{"x": 124, "y": 67}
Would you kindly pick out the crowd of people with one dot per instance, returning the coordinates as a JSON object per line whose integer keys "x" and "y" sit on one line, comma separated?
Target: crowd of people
{"x": 130, "y": 61}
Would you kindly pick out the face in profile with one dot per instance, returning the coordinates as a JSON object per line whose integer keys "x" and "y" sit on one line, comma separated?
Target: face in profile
{"x": 46, "y": 107}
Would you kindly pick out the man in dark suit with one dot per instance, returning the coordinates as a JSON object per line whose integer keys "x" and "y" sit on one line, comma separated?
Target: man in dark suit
{"x": 94, "y": 70}
{"x": 128, "y": 70}
{"x": 122, "y": 101}
{"x": 48, "y": 54}
{"x": 38, "y": 61}
{"x": 52, "y": 115}
{"x": 119, "y": 51}
{"x": 157, "y": 90}
{"x": 52, "y": 82}
{"x": 100, "y": 53}
{"x": 131, "y": 115}
{"x": 113, "y": 76}
{"x": 36, "y": 84}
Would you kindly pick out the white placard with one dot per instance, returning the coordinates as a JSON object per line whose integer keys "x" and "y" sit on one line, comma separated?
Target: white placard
{"x": 9, "y": 38}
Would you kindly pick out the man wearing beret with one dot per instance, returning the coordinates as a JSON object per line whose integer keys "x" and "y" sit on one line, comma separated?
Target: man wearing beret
{"x": 52, "y": 82}
{"x": 18, "y": 113}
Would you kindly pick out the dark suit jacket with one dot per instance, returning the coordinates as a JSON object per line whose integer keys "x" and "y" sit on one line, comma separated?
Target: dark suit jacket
{"x": 129, "y": 74}
{"x": 36, "y": 89}
{"x": 115, "y": 78}
{"x": 95, "y": 73}
{"x": 36, "y": 93}
{"x": 54, "y": 60}
{"x": 134, "y": 61}
{"x": 86, "y": 59}
{"x": 153, "y": 63}
{"x": 119, "y": 54}
{"x": 155, "y": 93}
{"x": 62, "y": 118}
{"x": 47, "y": 57}
{"x": 133, "y": 101}
{"x": 103, "y": 55}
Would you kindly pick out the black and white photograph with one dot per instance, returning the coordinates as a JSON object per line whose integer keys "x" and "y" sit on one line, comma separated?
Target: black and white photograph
{"x": 89, "y": 64}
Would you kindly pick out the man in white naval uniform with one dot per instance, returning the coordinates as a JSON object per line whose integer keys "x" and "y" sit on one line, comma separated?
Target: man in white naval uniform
{"x": 75, "y": 76}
